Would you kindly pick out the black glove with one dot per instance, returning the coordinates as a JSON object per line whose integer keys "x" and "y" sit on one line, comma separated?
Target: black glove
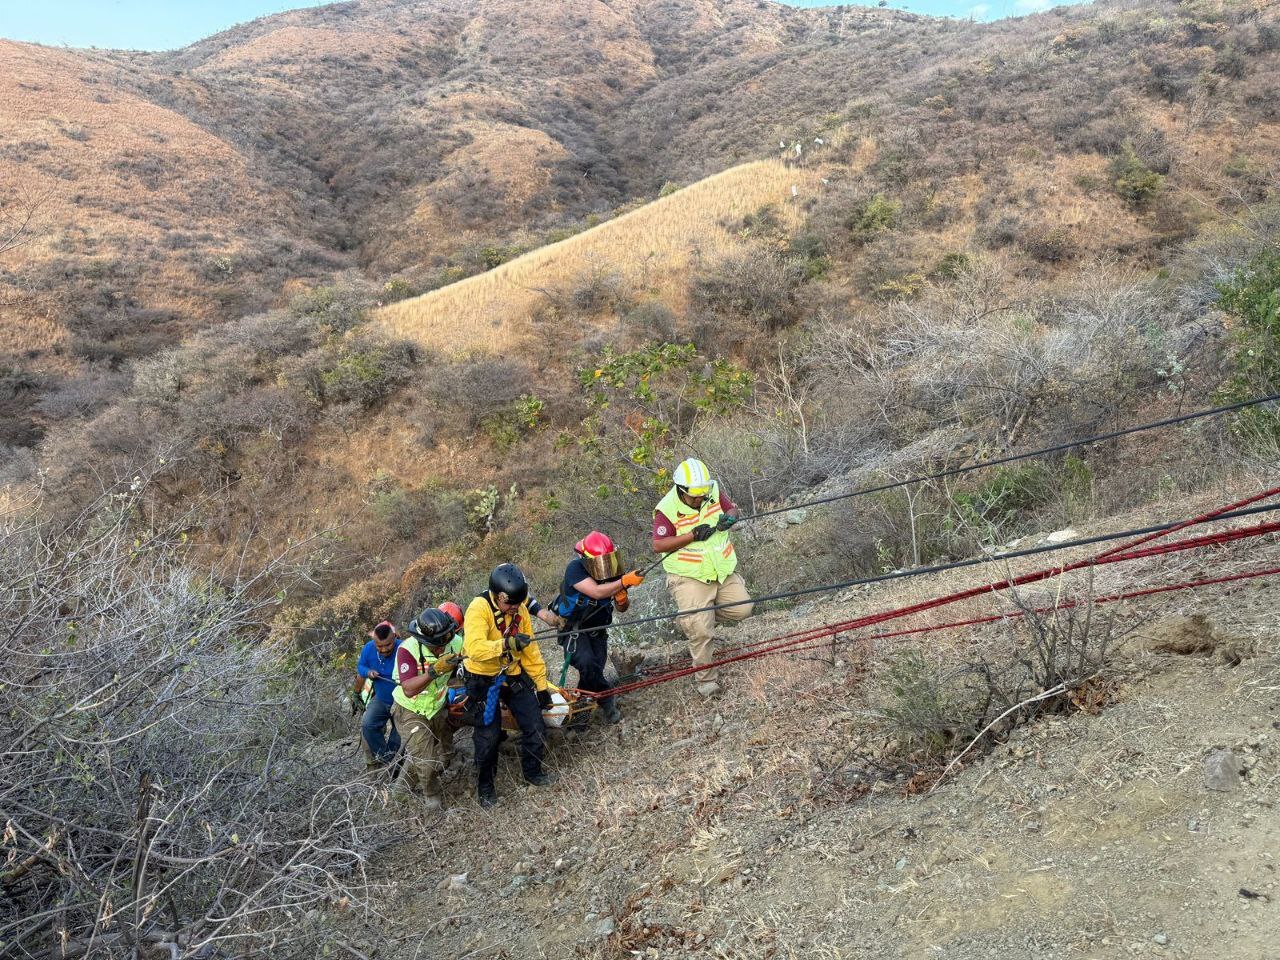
{"x": 726, "y": 521}
{"x": 357, "y": 705}
{"x": 544, "y": 699}
{"x": 518, "y": 642}
{"x": 703, "y": 531}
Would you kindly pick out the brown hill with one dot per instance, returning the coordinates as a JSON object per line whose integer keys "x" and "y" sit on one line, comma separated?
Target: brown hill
{"x": 397, "y": 134}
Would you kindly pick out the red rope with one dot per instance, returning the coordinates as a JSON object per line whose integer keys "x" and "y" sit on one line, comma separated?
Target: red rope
{"x": 1065, "y": 605}
{"x": 785, "y": 640}
{"x": 1119, "y": 554}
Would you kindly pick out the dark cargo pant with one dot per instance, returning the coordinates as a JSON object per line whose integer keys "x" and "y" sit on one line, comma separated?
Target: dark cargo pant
{"x": 521, "y": 698}
{"x": 588, "y": 653}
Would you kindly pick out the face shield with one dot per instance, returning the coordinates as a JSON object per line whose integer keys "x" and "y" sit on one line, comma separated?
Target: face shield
{"x": 607, "y": 566}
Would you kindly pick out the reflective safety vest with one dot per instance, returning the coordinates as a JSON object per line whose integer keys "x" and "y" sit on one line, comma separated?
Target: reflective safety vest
{"x": 432, "y": 698}
{"x": 711, "y": 560}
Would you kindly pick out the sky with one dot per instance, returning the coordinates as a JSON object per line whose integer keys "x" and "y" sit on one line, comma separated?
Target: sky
{"x": 167, "y": 24}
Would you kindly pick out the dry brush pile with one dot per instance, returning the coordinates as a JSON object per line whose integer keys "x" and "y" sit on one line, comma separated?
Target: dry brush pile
{"x": 156, "y": 794}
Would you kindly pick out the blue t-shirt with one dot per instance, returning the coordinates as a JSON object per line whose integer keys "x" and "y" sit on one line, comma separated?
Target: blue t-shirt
{"x": 370, "y": 659}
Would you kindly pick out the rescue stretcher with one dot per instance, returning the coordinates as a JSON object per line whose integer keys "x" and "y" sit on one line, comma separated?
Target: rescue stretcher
{"x": 565, "y": 705}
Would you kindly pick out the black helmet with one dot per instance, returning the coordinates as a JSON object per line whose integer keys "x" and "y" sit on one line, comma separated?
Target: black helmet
{"x": 433, "y": 626}
{"x": 507, "y": 578}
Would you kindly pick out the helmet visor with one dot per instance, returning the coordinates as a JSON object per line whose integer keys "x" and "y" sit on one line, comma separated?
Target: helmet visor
{"x": 607, "y": 566}
{"x": 700, "y": 491}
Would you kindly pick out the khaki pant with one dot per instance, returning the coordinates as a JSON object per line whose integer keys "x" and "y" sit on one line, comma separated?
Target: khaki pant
{"x": 427, "y": 745}
{"x": 691, "y": 594}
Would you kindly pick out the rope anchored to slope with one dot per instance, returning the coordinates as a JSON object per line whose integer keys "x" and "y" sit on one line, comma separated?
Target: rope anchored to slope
{"x": 1141, "y": 547}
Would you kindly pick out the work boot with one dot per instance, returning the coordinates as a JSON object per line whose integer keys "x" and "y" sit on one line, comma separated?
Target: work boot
{"x": 542, "y": 779}
{"x": 708, "y": 688}
{"x": 488, "y": 798}
{"x": 611, "y": 712}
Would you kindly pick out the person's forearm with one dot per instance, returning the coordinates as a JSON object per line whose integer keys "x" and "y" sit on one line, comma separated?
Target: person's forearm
{"x": 415, "y": 685}
{"x": 598, "y": 591}
{"x": 668, "y": 544}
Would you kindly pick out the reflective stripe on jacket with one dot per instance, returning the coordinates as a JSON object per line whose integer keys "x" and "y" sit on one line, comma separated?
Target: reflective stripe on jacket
{"x": 431, "y": 699}
{"x": 713, "y": 559}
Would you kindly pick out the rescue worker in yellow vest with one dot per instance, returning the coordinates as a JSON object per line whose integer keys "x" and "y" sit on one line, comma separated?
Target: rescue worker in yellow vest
{"x": 424, "y": 663}
{"x": 503, "y": 664}
{"x": 691, "y": 527}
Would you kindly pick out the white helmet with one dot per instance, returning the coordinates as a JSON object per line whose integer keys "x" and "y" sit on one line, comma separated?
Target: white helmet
{"x": 693, "y": 477}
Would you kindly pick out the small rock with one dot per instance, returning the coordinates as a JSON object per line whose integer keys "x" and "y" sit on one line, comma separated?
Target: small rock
{"x": 605, "y": 928}
{"x": 717, "y": 722}
{"x": 794, "y": 517}
{"x": 1060, "y": 536}
{"x": 1221, "y": 771}
{"x": 901, "y": 864}
{"x": 457, "y": 883}
{"x": 1161, "y": 939}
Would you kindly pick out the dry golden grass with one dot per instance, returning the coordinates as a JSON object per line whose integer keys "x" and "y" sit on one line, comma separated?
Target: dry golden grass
{"x": 651, "y": 249}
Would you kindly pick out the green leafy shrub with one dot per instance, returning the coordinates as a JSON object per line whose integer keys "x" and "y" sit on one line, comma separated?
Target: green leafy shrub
{"x": 364, "y": 372}
{"x": 1135, "y": 182}
{"x": 923, "y": 708}
{"x": 810, "y": 251}
{"x": 999, "y": 501}
{"x": 874, "y": 215}
{"x": 906, "y": 286}
{"x": 397, "y": 289}
{"x": 952, "y": 265}
{"x": 1252, "y": 296}
{"x": 335, "y": 309}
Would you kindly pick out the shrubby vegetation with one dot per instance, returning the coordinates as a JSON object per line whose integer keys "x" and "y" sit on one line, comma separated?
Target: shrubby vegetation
{"x": 158, "y": 787}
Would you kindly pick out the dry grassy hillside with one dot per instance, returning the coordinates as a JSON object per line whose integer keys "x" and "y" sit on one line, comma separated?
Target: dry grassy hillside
{"x": 403, "y": 135}
{"x": 1001, "y": 237}
{"x": 651, "y": 250}
{"x": 141, "y": 222}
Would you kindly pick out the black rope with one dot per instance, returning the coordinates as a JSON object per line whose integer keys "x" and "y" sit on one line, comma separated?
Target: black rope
{"x": 1013, "y": 458}
{"x": 936, "y": 568}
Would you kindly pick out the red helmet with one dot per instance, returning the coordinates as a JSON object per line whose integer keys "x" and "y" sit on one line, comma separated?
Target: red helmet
{"x": 594, "y": 544}
{"x": 453, "y": 610}
{"x": 599, "y": 556}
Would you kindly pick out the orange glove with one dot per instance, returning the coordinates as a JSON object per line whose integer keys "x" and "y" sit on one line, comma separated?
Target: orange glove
{"x": 632, "y": 579}
{"x": 621, "y": 601}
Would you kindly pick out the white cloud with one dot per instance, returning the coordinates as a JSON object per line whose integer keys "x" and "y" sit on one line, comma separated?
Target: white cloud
{"x": 1032, "y": 4}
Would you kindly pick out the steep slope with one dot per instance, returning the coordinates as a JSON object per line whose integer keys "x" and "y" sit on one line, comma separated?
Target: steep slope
{"x": 784, "y": 820}
{"x": 144, "y": 225}
{"x": 652, "y": 249}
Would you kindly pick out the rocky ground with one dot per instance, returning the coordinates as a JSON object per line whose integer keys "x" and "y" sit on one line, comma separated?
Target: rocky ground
{"x": 748, "y": 827}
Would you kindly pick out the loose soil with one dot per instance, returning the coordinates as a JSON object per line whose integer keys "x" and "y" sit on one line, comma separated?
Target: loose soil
{"x": 745, "y": 827}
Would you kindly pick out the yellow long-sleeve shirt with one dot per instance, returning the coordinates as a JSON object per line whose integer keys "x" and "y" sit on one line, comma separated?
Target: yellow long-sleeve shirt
{"x": 483, "y": 645}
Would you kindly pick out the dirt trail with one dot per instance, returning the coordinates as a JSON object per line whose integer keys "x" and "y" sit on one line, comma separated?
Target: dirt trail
{"x": 742, "y": 829}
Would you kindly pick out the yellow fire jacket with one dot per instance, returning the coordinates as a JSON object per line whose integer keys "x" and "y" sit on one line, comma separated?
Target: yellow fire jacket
{"x": 484, "y": 647}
